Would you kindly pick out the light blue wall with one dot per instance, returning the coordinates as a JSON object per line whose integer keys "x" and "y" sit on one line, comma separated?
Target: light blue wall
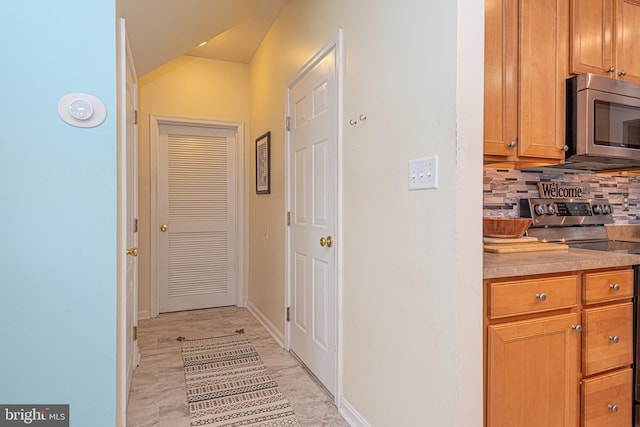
{"x": 57, "y": 209}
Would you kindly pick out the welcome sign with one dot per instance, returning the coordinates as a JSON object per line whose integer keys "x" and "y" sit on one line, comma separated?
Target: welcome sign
{"x": 553, "y": 190}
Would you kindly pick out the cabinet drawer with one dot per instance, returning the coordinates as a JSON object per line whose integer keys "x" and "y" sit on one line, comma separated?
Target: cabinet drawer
{"x": 607, "y": 400}
{"x": 607, "y": 337}
{"x": 607, "y": 286}
{"x": 532, "y": 295}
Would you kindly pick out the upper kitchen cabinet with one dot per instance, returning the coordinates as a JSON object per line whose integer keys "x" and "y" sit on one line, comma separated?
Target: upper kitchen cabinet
{"x": 605, "y": 39}
{"x": 526, "y": 65}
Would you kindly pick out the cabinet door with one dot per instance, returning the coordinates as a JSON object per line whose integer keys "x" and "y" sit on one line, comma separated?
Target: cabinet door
{"x": 500, "y": 77}
{"x": 591, "y": 36}
{"x": 544, "y": 52}
{"x": 532, "y": 373}
{"x": 628, "y": 40}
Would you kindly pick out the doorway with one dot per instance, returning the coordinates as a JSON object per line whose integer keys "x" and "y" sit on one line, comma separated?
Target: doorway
{"x": 197, "y": 195}
{"x": 313, "y": 238}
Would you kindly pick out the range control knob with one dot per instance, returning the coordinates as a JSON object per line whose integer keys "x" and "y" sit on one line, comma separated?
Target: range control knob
{"x": 539, "y": 209}
{"x": 551, "y": 209}
{"x": 597, "y": 209}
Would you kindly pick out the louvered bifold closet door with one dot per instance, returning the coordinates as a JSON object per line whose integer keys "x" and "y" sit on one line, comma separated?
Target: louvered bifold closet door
{"x": 200, "y": 217}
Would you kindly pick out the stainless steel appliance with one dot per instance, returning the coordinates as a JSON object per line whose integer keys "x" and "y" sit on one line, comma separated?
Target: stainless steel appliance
{"x": 603, "y": 123}
{"x": 580, "y": 223}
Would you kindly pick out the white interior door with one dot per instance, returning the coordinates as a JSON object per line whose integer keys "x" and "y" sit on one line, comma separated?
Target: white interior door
{"x": 197, "y": 216}
{"x": 127, "y": 242}
{"x": 313, "y": 201}
{"x": 132, "y": 216}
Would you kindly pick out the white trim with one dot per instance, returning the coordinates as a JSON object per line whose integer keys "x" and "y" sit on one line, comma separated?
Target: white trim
{"x": 340, "y": 61}
{"x": 336, "y": 44}
{"x": 467, "y": 275}
{"x": 121, "y": 238}
{"x": 270, "y": 327}
{"x": 124, "y": 373}
{"x": 351, "y": 416}
{"x": 144, "y": 315}
{"x": 154, "y": 123}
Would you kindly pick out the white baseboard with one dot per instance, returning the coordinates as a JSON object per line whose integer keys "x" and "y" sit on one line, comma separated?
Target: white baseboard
{"x": 351, "y": 416}
{"x": 270, "y": 327}
{"x": 144, "y": 315}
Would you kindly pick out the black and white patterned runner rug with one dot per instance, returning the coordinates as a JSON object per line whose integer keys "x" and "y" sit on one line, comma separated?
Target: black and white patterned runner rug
{"x": 228, "y": 385}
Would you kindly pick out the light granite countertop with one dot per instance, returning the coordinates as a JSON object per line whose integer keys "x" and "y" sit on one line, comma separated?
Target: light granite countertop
{"x": 528, "y": 263}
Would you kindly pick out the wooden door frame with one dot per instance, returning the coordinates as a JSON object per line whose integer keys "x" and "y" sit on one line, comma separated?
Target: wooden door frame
{"x": 334, "y": 44}
{"x": 156, "y": 121}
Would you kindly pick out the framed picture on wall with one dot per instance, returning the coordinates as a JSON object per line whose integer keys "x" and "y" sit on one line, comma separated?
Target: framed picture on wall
{"x": 263, "y": 164}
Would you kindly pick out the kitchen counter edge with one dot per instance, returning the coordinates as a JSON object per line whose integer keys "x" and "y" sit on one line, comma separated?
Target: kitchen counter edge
{"x": 528, "y": 263}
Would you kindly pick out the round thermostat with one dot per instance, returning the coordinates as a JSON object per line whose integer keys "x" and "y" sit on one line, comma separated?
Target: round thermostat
{"x": 82, "y": 110}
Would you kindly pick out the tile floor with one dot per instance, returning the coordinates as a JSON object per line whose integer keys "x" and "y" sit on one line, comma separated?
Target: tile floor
{"x": 158, "y": 396}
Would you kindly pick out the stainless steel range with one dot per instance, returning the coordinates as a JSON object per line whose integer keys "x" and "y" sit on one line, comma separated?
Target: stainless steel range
{"x": 580, "y": 223}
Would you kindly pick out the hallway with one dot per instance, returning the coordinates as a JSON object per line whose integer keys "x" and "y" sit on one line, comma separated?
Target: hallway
{"x": 158, "y": 396}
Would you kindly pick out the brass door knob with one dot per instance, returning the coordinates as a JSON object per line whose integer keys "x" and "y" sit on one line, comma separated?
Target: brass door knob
{"x": 326, "y": 241}
{"x": 132, "y": 251}
{"x": 164, "y": 228}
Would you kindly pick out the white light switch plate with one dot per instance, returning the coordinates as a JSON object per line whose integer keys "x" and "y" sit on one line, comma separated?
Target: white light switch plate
{"x": 423, "y": 173}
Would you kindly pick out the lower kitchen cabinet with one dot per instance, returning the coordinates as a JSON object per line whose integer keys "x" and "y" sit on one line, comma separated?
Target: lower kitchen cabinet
{"x": 559, "y": 349}
{"x": 532, "y": 372}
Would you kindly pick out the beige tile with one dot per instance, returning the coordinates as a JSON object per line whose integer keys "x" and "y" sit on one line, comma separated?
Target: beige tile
{"x": 158, "y": 396}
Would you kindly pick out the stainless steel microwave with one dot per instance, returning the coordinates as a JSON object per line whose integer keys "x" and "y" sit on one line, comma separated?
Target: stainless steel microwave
{"x": 603, "y": 123}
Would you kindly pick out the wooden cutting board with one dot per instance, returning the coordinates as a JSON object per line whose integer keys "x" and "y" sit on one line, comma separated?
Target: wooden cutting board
{"x": 501, "y": 241}
{"x": 525, "y": 247}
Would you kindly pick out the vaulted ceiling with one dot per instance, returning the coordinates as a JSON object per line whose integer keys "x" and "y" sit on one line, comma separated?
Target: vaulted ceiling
{"x": 161, "y": 30}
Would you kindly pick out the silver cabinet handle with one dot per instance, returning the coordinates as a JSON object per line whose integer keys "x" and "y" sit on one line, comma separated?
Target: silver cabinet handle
{"x": 610, "y": 69}
{"x": 512, "y": 143}
{"x": 615, "y": 287}
{"x": 577, "y": 328}
{"x": 565, "y": 148}
{"x": 622, "y": 73}
{"x": 614, "y": 408}
{"x": 615, "y": 339}
{"x": 541, "y": 297}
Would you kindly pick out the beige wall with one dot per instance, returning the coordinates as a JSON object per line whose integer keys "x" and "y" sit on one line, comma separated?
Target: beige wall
{"x": 185, "y": 87}
{"x": 411, "y": 279}
{"x": 403, "y": 280}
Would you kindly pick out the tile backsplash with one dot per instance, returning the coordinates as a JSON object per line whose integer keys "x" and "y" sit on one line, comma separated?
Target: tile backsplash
{"x": 503, "y": 189}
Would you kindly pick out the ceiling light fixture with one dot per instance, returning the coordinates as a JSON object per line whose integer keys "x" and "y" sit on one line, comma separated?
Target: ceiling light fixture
{"x": 202, "y": 44}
